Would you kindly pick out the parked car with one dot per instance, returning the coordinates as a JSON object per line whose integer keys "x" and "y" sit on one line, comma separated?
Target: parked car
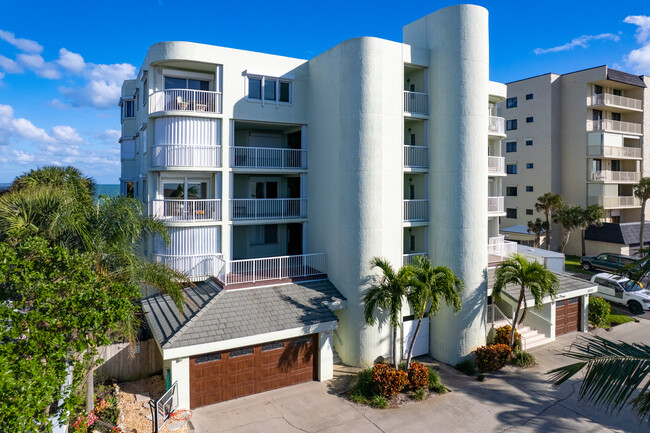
{"x": 607, "y": 262}
{"x": 622, "y": 291}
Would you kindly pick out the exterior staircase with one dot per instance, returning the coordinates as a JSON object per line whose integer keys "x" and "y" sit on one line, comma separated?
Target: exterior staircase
{"x": 531, "y": 338}
{"x": 337, "y": 358}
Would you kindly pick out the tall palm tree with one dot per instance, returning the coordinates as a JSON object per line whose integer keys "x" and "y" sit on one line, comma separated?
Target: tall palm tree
{"x": 548, "y": 204}
{"x": 642, "y": 191}
{"x": 592, "y": 215}
{"x": 613, "y": 372}
{"x": 570, "y": 218}
{"x": 387, "y": 294}
{"x": 433, "y": 285}
{"x": 526, "y": 274}
{"x": 538, "y": 226}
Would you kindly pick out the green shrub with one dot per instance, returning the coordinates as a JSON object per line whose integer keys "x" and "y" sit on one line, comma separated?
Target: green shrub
{"x": 434, "y": 382}
{"x": 379, "y": 401}
{"x": 418, "y": 375}
{"x": 502, "y": 336}
{"x": 364, "y": 389}
{"x": 467, "y": 366}
{"x": 599, "y": 309}
{"x": 387, "y": 380}
{"x": 492, "y": 358}
{"x": 522, "y": 359}
{"x": 480, "y": 377}
{"x": 419, "y": 394}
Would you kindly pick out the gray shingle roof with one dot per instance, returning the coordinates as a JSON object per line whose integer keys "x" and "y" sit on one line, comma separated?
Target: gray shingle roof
{"x": 568, "y": 284}
{"x": 623, "y": 233}
{"x": 211, "y": 314}
{"x": 624, "y": 77}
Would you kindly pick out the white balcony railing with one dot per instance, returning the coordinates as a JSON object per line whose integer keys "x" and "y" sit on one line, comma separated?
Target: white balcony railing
{"x": 614, "y": 176}
{"x": 500, "y": 249}
{"x": 615, "y": 126}
{"x": 614, "y": 151}
{"x": 185, "y": 155}
{"x": 496, "y": 165}
{"x": 615, "y": 100}
{"x": 416, "y": 156}
{"x": 188, "y": 210}
{"x": 416, "y": 102}
{"x": 407, "y": 259}
{"x": 195, "y": 266}
{"x": 267, "y": 157}
{"x": 495, "y": 205}
{"x": 198, "y": 101}
{"x": 416, "y": 210}
{"x": 615, "y": 202}
{"x": 272, "y": 268}
{"x": 267, "y": 208}
{"x": 496, "y": 125}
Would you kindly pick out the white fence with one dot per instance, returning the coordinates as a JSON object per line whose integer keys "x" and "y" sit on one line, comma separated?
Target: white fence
{"x": 188, "y": 210}
{"x": 268, "y": 208}
{"x": 416, "y": 156}
{"x": 611, "y": 99}
{"x": 495, "y": 205}
{"x": 195, "y": 266}
{"x": 496, "y": 165}
{"x": 614, "y": 125}
{"x": 496, "y": 125}
{"x": 272, "y": 268}
{"x": 407, "y": 259}
{"x": 416, "y": 102}
{"x": 614, "y": 151}
{"x": 199, "y": 101}
{"x": 501, "y": 249}
{"x": 416, "y": 210}
{"x": 614, "y": 176}
{"x": 185, "y": 155}
{"x": 268, "y": 157}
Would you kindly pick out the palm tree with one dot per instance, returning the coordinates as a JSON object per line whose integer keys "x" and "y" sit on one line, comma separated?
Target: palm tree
{"x": 387, "y": 295}
{"x": 548, "y": 204}
{"x": 591, "y": 216}
{"x": 526, "y": 274}
{"x": 642, "y": 191}
{"x": 570, "y": 218}
{"x": 613, "y": 372}
{"x": 433, "y": 285}
{"x": 538, "y": 226}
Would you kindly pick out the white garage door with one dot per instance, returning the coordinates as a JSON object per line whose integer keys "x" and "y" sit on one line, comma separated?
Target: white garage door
{"x": 422, "y": 343}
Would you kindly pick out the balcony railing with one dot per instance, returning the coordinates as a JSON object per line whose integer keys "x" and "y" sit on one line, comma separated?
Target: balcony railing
{"x": 496, "y": 165}
{"x": 416, "y": 156}
{"x": 267, "y": 157}
{"x": 496, "y": 125}
{"x": 267, "y": 208}
{"x": 198, "y": 101}
{"x": 614, "y": 176}
{"x": 185, "y": 155}
{"x": 195, "y": 266}
{"x": 416, "y": 103}
{"x": 407, "y": 259}
{"x": 416, "y": 210}
{"x": 495, "y": 205}
{"x": 188, "y": 210}
{"x": 272, "y": 268}
{"x": 615, "y": 202}
{"x": 615, "y": 100}
{"x": 615, "y": 126}
{"x": 614, "y": 151}
{"x": 500, "y": 249}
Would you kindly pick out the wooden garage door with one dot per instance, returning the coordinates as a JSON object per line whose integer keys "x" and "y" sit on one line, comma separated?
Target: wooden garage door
{"x": 567, "y": 316}
{"x": 222, "y": 376}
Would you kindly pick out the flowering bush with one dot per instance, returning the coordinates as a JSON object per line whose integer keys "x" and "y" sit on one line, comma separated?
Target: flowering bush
{"x": 493, "y": 357}
{"x": 82, "y": 423}
{"x": 502, "y": 336}
{"x": 388, "y": 380}
{"x": 418, "y": 376}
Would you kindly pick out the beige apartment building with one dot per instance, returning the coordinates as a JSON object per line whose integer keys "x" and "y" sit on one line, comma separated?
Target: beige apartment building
{"x": 580, "y": 135}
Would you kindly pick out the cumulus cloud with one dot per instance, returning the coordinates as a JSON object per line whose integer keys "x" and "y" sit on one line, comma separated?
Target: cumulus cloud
{"x": 582, "y": 41}
{"x": 103, "y": 87}
{"x": 638, "y": 60}
{"x": 643, "y": 22}
{"x": 67, "y": 134}
{"x": 10, "y": 66}
{"x": 21, "y": 128}
{"x": 22, "y": 44}
{"x": 22, "y": 157}
{"x": 36, "y": 63}
{"x": 70, "y": 61}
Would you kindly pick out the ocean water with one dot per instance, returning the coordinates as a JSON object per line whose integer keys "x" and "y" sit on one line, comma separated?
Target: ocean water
{"x": 101, "y": 189}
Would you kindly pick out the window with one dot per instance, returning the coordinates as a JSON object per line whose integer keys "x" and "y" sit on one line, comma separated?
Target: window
{"x": 616, "y": 116}
{"x": 511, "y": 146}
{"x": 511, "y": 213}
{"x": 273, "y": 346}
{"x": 412, "y": 243}
{"x": 529, "y": 96}
{"x": 269, "y": 89}
{"x": 529, "y": 119}
{"x": 207, "y": 358}
{"x": 273, "y": 89}
{"x": 511, "y": 124}
{"x": 241, "y": 352}
{"x": 254, "y": 88}
{"x": 529, "y": 211}
{"x": 511, "y": 191}
{"x": 128, "y": 190}
{"x": 128, "y": 109}
{"x": 529, "y": 142}
{"x": 264, "y": 235}
{"x": 145, "y": 93}
{"x": 186, "y": 83}
{"x": 511, "y": 168}
{"x": 617, "y": 92}
{"x": 529, "y": 165}
{"x": 529, "y": 189}
{"x": 511, "y": 102}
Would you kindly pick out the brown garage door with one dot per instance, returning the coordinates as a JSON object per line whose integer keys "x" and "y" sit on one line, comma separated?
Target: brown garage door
{"x": 567, "y": 316}
{"x": 222, "y": 376}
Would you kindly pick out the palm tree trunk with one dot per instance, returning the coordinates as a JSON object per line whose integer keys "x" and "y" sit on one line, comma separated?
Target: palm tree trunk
{"x": 548, "y": 230}
{"x": 514, "y": 322}
{"x": 583, "y": 243}
{"x": 415, "y": 336}
{"x": 565, "y": 239}
{"x": 395, "y": 360}
{"x": 642, "y": 225}
{"x": 90, "y": 390}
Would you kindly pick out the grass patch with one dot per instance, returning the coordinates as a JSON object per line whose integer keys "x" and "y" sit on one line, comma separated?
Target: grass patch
{"x": 522, "y": 359}
{"x": 467, "y": 366}
{"x": 572, "y": 263}
{"x": 419, "y": 394}
{"x": 434, "y": 382}
{"x": 379, "y": 402}
{"x": 363, "y": 392}
{"x": 616, "y": 319}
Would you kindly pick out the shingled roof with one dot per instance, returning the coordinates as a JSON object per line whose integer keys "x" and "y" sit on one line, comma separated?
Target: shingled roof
{"x": 624, "y": 77}
{"x": 211, "y": 314}
{"x": 568, "y": 284}
{"x": 623, "y": 233}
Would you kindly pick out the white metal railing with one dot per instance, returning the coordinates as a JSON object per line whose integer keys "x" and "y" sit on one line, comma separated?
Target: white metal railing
{"x": 614, "y": 125}
{"x": 188, "y": 210}
{"x": 501, "y": 249}
{"x": 615, "y": 202}
{"x": 496, "y": 316}
{"x": 202, "y": 101}
{"x": 407, "y": 259}
{"x": 272, "y": 268}
{"x": 496, "y": 165}
{"x": 268, "y": 208}
{"x": 416, "y": 102}
{"x": 614, "y": 176}
{"x": 195, "y": 265}
{"x": 185, "y": 155}
{"x": 416, "y": 210}
{"x": 616, "y": 100}
{"x": 614, "y": 151}
{"x": 496, "y": 125}
{"x": 268, "y": 157}
{"x": 416, "y": 156}
{"x": 495, "y": 205}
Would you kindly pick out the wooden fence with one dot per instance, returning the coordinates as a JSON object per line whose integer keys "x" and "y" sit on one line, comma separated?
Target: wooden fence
{"x": 120, "y": 365}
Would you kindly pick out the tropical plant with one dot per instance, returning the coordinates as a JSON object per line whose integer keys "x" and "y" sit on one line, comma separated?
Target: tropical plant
{"x": 642, "y": 191}
{"x": 592, "y": 215}
{"x": 570, "y": 218}
{"x": 528, "y": 275}
{"x": 613, "y": 372}
{"x": 502, "y": 336}
{"x": 432, "y": 286}
{"x": 548, "y": 204}
{"x": 522, "y": 359}
{"x": 493, "y": 357}
{"x": 388, "y": 380}
{"x": 418, "y": 375}
{"x": 599, "y": 310}
{"x": 537, "y": 227}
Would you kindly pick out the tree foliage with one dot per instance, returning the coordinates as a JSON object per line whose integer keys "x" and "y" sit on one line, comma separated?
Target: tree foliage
{"x": 642, "y": 191}
{"x": 548, "y": 204}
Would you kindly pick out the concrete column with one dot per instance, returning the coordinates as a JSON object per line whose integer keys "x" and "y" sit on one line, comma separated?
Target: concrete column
{"x": 552, "y": 336}
{"x": 325, "y": 356}
{"x": 227, "y": 188}
{"x": 180, "y": 370}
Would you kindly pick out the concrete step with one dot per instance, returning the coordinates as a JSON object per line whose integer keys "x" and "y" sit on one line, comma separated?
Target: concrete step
{"x": 532, "y": 338}
{"x": 337, "y": 358}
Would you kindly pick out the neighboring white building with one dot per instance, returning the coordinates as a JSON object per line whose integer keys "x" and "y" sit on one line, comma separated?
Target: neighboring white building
{"x": 581, "y": 135}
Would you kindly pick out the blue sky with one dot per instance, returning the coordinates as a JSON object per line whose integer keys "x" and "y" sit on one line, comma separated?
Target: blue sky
{"x": 62, "y": 63}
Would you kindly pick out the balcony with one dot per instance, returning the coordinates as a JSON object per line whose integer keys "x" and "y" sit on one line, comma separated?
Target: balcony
{"x": 268, "y": 208}
{"x": 500, "y": 249}
{"x": 187, "y": 210}
{"x": 416, "y": 156}
{"x": 407, "y": 259}
{"x": 618, "y": 152}
{"x": 615, "y": 101}
{"x": 615, "y": 202}
{"x": 496, "y": 126}
{"x": 609, "y": 125}
{"x": 197, "y": 267}
{"x": 186, "y": 155}
{"x": 614, "y": 176}
{"x": 266, "y": 157}
{"x": 416, "y": 210}
{"x": 496, "y": 166}
{"x": 185, "y": 100}
{"x": 495, "y": 206}
{"x": 287, "y": 268}
{"x": 416, "y": 103}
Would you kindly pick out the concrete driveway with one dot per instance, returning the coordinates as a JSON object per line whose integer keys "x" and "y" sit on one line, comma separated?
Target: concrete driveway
{"x": 513, "y": 400}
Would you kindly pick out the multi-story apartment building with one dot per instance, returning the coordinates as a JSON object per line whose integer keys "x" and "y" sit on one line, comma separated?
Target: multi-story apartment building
{"x": 581, "y": 135}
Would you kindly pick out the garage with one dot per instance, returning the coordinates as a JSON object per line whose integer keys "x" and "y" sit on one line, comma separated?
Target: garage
{"x": 567, "y": 316}
{"x": 221, "y": 376}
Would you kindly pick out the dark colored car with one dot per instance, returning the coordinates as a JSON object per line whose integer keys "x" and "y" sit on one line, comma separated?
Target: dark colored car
{"x": 608, "y": 262}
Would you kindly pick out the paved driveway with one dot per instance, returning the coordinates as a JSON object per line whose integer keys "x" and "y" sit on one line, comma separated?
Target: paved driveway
{"x": 514, "y": 400}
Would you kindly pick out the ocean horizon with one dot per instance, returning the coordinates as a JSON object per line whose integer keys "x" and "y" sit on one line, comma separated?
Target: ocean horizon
{"x": 110, "y": 189}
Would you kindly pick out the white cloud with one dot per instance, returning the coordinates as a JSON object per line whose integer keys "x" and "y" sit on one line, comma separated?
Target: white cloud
{"x": 21, "y": 128}
{"x": 10, "y": 66}
{"x": 643, "y": 22}
{"x": 22, "y": 44}
{"x": 36, "y": 63}
{"x": 22, "y": 157}
{"x": 582, "y": 41}
{"x": 103, "y": 87}
{"x": 67, "y": 134}
{"x": 638, "y": 61}
{"x": 109, "y": 135}
{"x": 70, "y": 61}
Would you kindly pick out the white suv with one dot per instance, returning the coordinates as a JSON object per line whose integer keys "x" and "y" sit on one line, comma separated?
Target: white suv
{"x": 623, "y": 291}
